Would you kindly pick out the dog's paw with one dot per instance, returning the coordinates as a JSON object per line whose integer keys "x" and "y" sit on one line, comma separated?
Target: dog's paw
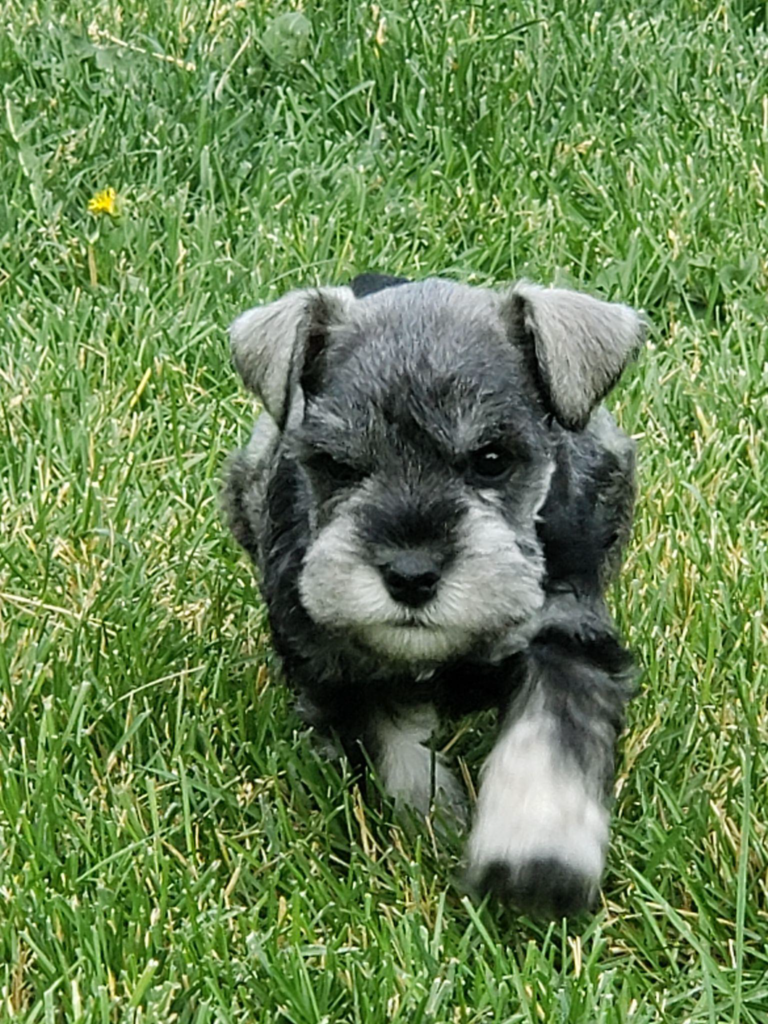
{"x": 538, "y": 867}
{"x": 540, "y": 833}
{"x": 544, "y": 888}
{"x": 412, "y": 774}
{"x": 417, "y": 778}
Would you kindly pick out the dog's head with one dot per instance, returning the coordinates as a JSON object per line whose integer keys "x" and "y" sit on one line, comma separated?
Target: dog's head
{"x": 422, "y": 417}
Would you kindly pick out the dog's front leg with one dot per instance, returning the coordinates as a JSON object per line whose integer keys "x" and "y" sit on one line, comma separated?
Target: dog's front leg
{"x": 541, "y": 827}
{"x": 412, "y": 774}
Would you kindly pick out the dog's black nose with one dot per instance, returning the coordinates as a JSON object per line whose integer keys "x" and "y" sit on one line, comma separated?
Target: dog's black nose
{"x": 412, "y": 577}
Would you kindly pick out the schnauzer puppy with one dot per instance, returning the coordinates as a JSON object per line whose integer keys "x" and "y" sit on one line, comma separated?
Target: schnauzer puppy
{"x": 435, "y": 502}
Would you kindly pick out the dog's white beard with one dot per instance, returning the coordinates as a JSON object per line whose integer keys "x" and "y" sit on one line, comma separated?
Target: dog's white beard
{"x": 490, "y": 586}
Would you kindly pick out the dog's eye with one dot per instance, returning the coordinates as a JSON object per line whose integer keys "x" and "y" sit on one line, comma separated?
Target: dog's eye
{"x": 340, "y": 473}
{"x": 489, "y": 465}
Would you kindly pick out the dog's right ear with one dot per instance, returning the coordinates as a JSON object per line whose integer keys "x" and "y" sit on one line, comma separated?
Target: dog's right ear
{"x": 579, "y": 345}
{"x": 277, "y": 349}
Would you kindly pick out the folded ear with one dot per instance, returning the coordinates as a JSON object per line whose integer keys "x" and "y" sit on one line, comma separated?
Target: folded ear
{"x": 580, "y": 346}
{"x": 277, "y": 349}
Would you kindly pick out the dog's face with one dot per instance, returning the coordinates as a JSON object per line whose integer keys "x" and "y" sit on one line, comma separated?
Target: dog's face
{"x": 421, "y": 417}
{"x": 428, "y": 459}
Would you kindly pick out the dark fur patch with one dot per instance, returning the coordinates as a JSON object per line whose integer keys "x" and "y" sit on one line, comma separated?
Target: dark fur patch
{"x": 369, "y": 283}
{"x": 586, "y": 678}
{"x": 585, "y": 519}
{"x": 427, "y": 518}
{"x": 601, "y": 650}
{"x": 543, "y": 887}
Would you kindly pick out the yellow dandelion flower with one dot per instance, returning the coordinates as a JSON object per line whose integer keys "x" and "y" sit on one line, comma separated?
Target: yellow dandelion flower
{"x": 104, "y": 202}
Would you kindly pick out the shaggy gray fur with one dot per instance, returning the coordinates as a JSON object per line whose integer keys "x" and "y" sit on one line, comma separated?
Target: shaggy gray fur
{"x": 434, "y": 502}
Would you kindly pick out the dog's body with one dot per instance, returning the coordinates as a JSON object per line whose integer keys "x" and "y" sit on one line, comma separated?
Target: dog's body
{"x": 435, "y": 503}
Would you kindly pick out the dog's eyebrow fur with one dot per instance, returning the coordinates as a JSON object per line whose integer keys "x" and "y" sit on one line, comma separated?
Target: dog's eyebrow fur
{"x": 440, "y": 371}
{"x": 449, "y": 416}
{"x": 474, "y": 422}
{"x": 360, "y": 440}
{"x": 329, "y": 431}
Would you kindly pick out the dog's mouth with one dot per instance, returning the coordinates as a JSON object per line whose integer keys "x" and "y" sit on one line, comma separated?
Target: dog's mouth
{"x": 417, "y": 624}
{"x": 414, "y": 640}
{"x": 413, "y": 622}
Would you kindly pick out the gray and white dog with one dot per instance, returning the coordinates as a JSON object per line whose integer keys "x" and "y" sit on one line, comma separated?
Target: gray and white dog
{"x": 435, "y": 501}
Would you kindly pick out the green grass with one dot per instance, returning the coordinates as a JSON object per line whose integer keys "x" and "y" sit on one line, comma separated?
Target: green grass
{"x": 172, "y": 848}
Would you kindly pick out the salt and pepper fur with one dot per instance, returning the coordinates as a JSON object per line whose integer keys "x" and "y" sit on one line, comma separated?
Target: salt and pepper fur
{"x": 405, "y": 580}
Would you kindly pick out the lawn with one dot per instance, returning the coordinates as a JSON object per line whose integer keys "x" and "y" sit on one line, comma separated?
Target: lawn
{"x": 172, "y": 846}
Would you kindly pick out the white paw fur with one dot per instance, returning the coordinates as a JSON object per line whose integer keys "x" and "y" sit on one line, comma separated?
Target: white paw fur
{"x": 411, "y": 773}
{"x": 536, "y": 807}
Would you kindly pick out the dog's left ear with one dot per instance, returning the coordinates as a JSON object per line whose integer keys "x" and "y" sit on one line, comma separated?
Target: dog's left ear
{"x": 278, "y": 349}
{"x": 580, "y": 345}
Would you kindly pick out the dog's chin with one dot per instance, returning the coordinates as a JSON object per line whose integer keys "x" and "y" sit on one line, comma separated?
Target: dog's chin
{"x": 415, "y": 643}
